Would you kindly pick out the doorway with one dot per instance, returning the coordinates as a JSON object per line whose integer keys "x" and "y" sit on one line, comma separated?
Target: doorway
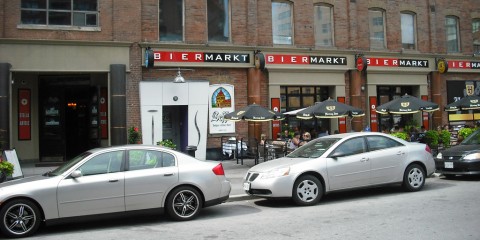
{"x": 175, "y": 125}
{"x": 68, "y": 116}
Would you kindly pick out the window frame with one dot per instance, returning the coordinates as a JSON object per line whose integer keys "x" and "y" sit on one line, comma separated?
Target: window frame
{"x": 318, "y": 25}
{"x": 183, "y": 24}
{"x": 476, "y": 46}
{"x": 457, "y": 34}
{"x": 292, "y": 30}
{"x": 372, "y": 21}
{"x": 47, "y": 10}
{"x": 229, "y": 40}
{"x": 406, "y": 46}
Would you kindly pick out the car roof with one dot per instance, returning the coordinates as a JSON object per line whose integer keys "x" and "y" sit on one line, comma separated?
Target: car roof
{"x": 126, "y": 146}
{"x": 353, "y": 134}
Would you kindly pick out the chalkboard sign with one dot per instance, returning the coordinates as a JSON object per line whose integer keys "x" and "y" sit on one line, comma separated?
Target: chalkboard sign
{"x": 11, "y": 156}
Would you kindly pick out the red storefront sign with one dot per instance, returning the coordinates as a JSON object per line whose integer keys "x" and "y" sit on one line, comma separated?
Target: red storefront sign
{"x": 104, "y": 112}
{"x": 24, "y": 123}
{"x": 342, "y": 122}
{"x": 275, "y": 124}
{"x": 425, "y": 114}
{"x": 373, "y": 114}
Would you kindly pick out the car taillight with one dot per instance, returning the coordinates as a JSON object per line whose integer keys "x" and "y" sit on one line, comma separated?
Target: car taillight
{"x": 218, "y": 170}
{"x": 427, "y": 148}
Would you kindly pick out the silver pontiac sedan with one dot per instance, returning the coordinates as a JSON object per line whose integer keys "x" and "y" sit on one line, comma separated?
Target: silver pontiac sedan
{"x": 340, "y": 162}
{"x": 115, "y": 180}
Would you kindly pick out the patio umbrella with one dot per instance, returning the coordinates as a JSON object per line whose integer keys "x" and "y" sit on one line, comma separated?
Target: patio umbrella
{"x": 329, "y": 109}
{"x": 406, "y": 105}
{"x": 470, "y": 102}
{"x": 293, "y": 112}
{"x": 254, "y": 112}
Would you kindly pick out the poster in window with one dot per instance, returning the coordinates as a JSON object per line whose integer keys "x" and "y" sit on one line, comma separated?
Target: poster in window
{"x": 24, "y": 119}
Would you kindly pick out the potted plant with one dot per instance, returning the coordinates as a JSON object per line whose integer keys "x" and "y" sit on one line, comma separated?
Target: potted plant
{"x": 167, "y": 143}
{"x": 134, "y": 135}
{"x": 6, "y": 169}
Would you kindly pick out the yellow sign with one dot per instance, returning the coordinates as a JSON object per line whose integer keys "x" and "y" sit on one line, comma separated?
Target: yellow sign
{"x": 442, "y": 66}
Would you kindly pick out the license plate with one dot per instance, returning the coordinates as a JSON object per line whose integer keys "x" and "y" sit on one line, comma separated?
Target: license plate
{"x": 448, "y": 164}
{"x": 246, "y": 186}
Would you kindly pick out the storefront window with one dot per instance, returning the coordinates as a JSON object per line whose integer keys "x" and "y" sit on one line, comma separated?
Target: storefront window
{"x": 324, "y": 25}
{"x": 171, "y": 20}
{"x": 293, "y": 98}
{"x": 377, "y": 28}
{"x": 282, "y": 23}
{"x": 408, "y": 31}
{"x": 389, "y": 93}
{"x": 451, "y": 28}
{"x": 60, "y": 12}
{"x": 476, "y": 35}
{"x": 218, "y": 20}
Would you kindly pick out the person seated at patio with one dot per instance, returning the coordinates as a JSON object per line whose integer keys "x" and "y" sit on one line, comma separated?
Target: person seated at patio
{"x": 263, "y": 137}
{"x": 286, "y": 135}
{"x": 306, "y": 138}
{"x": 295, "y": 142}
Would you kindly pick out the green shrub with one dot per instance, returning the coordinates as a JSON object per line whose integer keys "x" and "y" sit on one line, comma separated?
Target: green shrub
{"x": 444, "y": 137}
{"x": 167, "y": 143}
{"x": 431, "y": 138}
{"x": 401, "y": 135}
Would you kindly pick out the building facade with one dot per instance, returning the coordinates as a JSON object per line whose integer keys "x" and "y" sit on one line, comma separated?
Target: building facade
{"x": 77, "y": 74}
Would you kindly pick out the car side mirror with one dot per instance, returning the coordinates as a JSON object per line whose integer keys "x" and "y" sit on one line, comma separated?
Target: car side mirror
{"x": 76, "y": 174}
{"x": 336, "y": 155}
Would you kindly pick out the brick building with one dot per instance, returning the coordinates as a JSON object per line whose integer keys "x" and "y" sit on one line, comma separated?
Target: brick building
{"x": 74, "y": 75}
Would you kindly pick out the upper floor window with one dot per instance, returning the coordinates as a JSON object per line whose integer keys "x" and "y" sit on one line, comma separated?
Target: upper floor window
{"x": 60, "y": 12}
{"x": 476, "y": 35}
{"x": 218, "y": 20}
{"x": 170, "y": 20}
{"x": 282, "y": 29}
{"x": 377, "y": 28}
{"x": 451, "y": 31}
{"x": 408, "y": 31}
{"x": 323, "y": 25}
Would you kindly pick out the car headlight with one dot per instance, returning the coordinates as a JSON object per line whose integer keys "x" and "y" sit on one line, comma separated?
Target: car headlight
{"x": 279, "y": 172}
{"x": 472, "y": 156}
{"x": 439, "y": 156}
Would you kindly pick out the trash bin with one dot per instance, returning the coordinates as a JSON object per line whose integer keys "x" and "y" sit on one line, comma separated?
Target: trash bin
{"x": 191, "y": 150}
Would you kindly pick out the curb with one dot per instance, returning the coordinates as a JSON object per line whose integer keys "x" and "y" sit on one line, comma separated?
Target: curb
{"x": 240, "y": 197}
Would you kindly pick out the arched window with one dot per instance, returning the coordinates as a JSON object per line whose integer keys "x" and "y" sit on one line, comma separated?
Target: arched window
{"x": 408, "y": 26}
{"x": 376, "y": 25}
{"x": 323, "y": 25}
{"x": 451, "y": 32}
{"x": 282, "y": 22}
{"x": 170, "y": 20}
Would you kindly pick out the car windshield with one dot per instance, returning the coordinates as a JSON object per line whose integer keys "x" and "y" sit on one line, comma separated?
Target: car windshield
{"x": 314, "y": 148}
{"x": 473, "y": 139}
{"x": 67, "y": 165}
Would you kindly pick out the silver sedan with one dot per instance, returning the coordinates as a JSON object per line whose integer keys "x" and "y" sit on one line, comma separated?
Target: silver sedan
{"x": 111, "y": 181}
{"x": 340, "y": 162}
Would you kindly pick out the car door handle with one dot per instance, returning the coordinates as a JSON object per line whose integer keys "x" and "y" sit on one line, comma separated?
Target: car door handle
{"x": 168, "y": 174}
{"x": 113, "y": 180}
{"x": 364, "y": 160}
{"x": 400, "y": 153}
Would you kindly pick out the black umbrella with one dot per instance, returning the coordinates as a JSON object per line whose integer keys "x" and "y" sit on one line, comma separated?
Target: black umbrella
{"x": 254, "y": 112}
{"x": 470, "y": 102}
{"x": 329, "y": 109}
{"x": 406, "y": 105}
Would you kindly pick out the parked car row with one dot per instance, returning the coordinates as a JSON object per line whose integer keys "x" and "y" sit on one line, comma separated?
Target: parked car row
{"x": 114, "y": 180}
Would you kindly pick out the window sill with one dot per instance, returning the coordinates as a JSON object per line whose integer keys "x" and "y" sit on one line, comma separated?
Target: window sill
{"x": 56, "y": 27}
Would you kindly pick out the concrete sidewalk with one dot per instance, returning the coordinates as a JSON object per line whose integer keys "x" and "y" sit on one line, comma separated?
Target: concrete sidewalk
{"x": 233, "y": 171}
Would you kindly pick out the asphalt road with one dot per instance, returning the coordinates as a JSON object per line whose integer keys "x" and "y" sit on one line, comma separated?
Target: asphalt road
{"x": 444, "y": 209}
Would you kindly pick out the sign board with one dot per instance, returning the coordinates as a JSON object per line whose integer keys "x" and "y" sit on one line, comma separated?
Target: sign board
{"x": 11, "y": 156}
{"x": 221, "y": 102}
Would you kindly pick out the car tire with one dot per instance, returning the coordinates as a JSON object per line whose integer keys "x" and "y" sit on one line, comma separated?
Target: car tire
{"x": 19, "y": 218}
{"x": 413, "y": 178}
{"x": 307, "y": 190}
{"x": 184, "y": 203}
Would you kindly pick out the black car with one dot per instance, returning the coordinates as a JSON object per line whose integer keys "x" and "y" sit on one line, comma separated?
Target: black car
{"x": 463, "y": 159}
